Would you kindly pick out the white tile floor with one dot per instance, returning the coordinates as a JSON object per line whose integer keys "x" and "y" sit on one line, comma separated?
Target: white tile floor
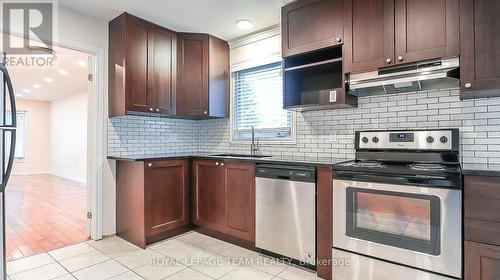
{"x": 191, "y": 256}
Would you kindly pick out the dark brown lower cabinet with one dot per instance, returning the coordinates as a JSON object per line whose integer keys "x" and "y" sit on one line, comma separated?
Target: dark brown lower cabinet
{"x": 482, "y": 227}
{"x": 224, "y": 197}
{"x": 152, "y": 200}
{"x": 482, "y": 261}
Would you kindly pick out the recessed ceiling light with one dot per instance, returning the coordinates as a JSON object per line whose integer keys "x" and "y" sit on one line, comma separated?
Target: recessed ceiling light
{"x": 36, "y": 85}
{"x": 27, "y": 90}
{"x": 81, "y": 63}
{"x": 18, "y": 94}
{"x": 48, "y": 80}
{"x": 63, "y": 72}
{"x": 244, "y": 24}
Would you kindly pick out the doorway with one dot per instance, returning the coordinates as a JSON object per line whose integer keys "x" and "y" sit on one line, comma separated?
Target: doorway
{"x": 47, "y": 197}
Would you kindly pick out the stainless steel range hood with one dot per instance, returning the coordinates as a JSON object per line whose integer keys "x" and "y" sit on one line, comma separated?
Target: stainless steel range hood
{"x": 405, "y": 78}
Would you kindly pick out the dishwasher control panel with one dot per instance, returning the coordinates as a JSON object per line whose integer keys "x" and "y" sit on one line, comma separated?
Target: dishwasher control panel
{"x": 285, "y": 172}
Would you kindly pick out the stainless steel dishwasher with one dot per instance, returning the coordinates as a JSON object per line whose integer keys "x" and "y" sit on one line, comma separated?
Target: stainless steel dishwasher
{"x": 286, "y": 211}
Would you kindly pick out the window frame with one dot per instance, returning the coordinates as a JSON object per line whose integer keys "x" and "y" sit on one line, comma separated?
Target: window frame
{"x": 25, "y": 138}
{"x": 292, "y": 139}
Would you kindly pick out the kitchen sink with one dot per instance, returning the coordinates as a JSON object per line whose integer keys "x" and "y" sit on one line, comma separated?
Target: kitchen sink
{"x": 240, "y": 156}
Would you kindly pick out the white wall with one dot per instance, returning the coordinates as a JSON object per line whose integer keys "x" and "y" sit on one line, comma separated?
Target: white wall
{"x": 69, "y": 137}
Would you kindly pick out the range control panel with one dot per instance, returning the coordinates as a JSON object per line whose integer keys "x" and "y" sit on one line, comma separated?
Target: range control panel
{"x": 443, "y": 140}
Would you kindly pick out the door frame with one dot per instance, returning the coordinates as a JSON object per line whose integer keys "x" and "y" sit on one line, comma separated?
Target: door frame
{"x": 96, "y": 136}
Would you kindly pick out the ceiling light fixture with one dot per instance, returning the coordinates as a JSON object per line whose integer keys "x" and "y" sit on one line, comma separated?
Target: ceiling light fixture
{"x": 18, "y": 95}
{"x": 27, "y": 90}
{"x": 81, "y": 63}
{"x": 63, "y": 72}
{"x": 36, "y": 85}
{"x": 48, "y": 80}
{"x": 244, "y": 24}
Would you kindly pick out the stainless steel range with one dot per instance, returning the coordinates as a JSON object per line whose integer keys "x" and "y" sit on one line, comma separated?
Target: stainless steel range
{"x": 397, "y": 207}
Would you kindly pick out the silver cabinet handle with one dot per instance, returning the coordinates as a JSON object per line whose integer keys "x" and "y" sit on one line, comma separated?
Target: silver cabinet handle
{"x": 388, "y": 60}
{"x": 338, "y": 39}
{"x": 217, "y": 163}
{"x": 157, "y": 110}
{"x": 468, "y": 85}
{"x": 400, "y": 58}
{"x": 221, "y": 164}
{"x": 150, "y": 164}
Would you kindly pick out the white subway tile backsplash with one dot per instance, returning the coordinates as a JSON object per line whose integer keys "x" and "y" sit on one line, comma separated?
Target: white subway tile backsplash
{"x": 329, "y": 133}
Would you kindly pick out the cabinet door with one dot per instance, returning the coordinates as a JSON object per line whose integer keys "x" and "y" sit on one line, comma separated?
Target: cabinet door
{"x": 479, "y": 46}
{"x": 309, "y": 25}
{"x": 192, "y": 90}
{"x": 369, "y": 34}
{"x": 162, "y": 69}
{"x": 166, "y": 195}
{"x": 208, "y": 196}
{"x": 136, "y": 65}
{"x": 239, "y": 181}
{"x": 482, "y": 262}
{"x": 426, "y": 29}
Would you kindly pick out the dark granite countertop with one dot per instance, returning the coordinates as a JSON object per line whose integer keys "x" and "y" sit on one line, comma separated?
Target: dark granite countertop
{"x": 216, "y": 156}
{"x": 489, "y": 173}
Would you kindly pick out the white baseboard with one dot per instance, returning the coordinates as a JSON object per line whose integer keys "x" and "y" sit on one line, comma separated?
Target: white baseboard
{"x": 71, "y": 177}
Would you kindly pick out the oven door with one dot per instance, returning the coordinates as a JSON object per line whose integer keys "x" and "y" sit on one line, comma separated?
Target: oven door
{"x": 410, "y": 225}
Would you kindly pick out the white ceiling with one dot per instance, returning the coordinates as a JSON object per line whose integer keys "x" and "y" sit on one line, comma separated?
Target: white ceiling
{"x": 216, "y": 17}
{"x": 75, "y": 81}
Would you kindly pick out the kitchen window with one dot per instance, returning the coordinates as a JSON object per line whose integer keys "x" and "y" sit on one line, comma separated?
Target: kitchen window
{"x": 20, "y": 152}
{"x": 258, "y": 102}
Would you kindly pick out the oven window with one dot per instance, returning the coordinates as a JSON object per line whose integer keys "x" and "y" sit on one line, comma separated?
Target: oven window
{"x": 409, "y": 221}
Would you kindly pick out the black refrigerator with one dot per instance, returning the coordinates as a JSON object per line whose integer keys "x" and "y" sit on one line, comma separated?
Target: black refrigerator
{"x": 7, "y": 147}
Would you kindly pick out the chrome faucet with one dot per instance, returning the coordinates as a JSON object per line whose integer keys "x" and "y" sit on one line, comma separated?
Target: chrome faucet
{"x": 254, "y": 147}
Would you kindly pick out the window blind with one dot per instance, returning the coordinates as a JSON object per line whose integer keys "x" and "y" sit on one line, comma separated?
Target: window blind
{"x": 258, "y": 102}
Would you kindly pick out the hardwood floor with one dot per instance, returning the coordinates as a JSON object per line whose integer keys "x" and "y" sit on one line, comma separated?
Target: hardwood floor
{"x": 43, "y": 212}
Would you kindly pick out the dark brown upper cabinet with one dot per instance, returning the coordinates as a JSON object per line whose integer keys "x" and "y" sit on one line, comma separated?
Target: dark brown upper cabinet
{"x": 309, "y": 25}
{"x": 479, "y": 48}
{"x": 142, "y": 69}
{"x": 369, "y": 34}
{"x": 426, "y": 29}
{"x": 203, "y": 76}
{"x": 381, "y": 33}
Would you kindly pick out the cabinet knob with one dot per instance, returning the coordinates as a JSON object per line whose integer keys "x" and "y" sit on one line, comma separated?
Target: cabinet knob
{"x": 400, "y": 58}
{"x": 388, "y": 60}
{"x": 150, "y": 164}
{"x": 205, "y": 112}
{"x": 157, "y": 110}
{"x": 221, "y": 164}
{"x": 151, "y": 109}
{"x": 217, "y": 163}
{"x": 468, "y": 85}
{"x": 338, "y": 39}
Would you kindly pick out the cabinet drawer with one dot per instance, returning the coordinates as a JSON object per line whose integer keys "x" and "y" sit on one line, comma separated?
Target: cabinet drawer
{"x": 482, "y": 231}
{"x": 482, "y": 186}
{"x": 482, "y": 208}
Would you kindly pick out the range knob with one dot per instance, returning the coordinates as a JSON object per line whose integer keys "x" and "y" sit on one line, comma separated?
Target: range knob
{"x": 375, "y": 139}
{"x": 443, "y": 139}
{"x": 365, "y": 140}
{"x": 430, "y": 139}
